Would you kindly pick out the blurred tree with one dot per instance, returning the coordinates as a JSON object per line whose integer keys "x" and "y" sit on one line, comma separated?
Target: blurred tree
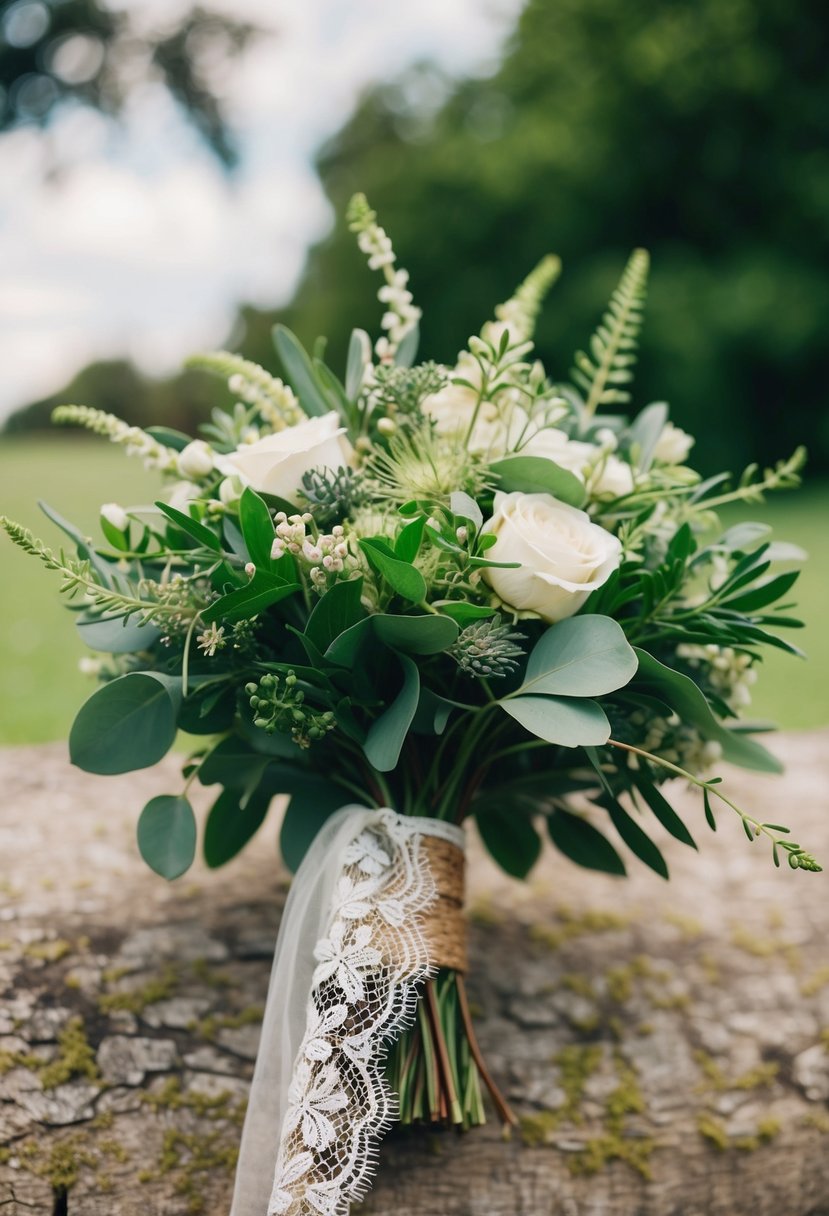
{"x": 52, "y": 51}
{"x": 180, "y": 402}
{"x": 695, "y": 127}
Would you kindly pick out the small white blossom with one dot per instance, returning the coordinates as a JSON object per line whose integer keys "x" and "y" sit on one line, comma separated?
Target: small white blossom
{"x": 196, "y": 460}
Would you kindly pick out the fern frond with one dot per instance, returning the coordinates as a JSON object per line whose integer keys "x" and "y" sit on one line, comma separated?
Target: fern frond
{"x": 613, "y": 346}
{"x": 522, "y": 309}
{"x": 275, "y": 401}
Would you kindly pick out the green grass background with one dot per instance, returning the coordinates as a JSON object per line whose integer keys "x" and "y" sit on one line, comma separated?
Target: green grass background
{"x": 40, "y": 684}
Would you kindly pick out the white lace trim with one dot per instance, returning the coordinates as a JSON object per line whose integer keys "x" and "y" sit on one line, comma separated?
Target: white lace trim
{"x": 363, "y": 994}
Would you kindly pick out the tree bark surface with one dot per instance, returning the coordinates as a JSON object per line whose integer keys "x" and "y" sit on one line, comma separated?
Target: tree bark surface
{"x": 666, "y": 1046}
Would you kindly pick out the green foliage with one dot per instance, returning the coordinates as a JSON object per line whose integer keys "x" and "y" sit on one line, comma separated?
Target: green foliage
{"x": 127, "y": 724}
{"x": 584, "y": 656}
{"x": 583, "y": 843}
{"x": 613, "y": 346}
{"x": 167, "y": 835}
{"x": 563, "y": 720}
{"x": 510, "y": 838}
{"x": 404, "y": 578}
{"x": 537, "y": 475}
{"x": 683, "y": 696}
{"x": 232, "y": 821}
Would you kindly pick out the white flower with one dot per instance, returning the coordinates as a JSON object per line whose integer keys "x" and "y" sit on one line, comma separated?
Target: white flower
{"x": 563, "y": 555}
{"x": 291, "y": 1172}
{"x": 553, "y": 444}
{"x": 230, "y": 491}
{"x": 196, "y": 460}
{"x": 611, "y": 478}
{"x": 182, "y": 493}
{"x": 453, "y": 409}
{"x": 276, "y": 464}
{"x": 673, "y": 445}
{"x": 116, "y": 516}
{"x": 312, "y": 1097}
{"x": 346, "y": 961}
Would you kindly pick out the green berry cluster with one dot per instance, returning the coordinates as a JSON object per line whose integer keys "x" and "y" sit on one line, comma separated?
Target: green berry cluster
{"x": 279, "y": 705}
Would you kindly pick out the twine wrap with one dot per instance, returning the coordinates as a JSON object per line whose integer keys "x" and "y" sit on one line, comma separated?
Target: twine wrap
{"x": 444, "y": 924}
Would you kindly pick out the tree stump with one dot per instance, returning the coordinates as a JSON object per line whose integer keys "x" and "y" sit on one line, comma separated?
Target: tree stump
{"x": 665, "y": 1046}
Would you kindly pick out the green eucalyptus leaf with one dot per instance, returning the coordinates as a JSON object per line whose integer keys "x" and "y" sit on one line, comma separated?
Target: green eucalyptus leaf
{"x": 584, "y": 656}
{"x": 115, "y": 634}
{"x": 401, "y": 576}
{"x": 538, "y": 475}
{"x": 683, "y": 696}
{"x": 167, "y": 835}
{"x": 337, "y": 610}
{"x": 313, "y": 800}
{"x": 300, "y": 372}
{"x": 232, "y": 763}
{"x": 129, "y": 723}
{"x": 428, "y": 634}
{"x": 510, "y": 838}
{"x": 463, "y": 612}
{"x": 583, "y": 844}
{"x": 388, "y": 732}
{"x": 562, "y": 720}
{"x": 231, "y": 823}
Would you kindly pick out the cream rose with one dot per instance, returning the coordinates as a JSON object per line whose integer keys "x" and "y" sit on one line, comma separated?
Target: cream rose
{"x": 611, "y": 478}
{"x": 673, "y": 445}
{"x": 453, "y": 409}
{"x": 276, "y": 464}
{"x": 563, "y": 555}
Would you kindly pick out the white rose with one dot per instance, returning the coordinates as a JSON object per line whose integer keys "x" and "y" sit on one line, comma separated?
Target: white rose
{"x": 553, "y": 444}
{"x": 612, "y": 478}
{"x": 563, "y": 555}
{"x": 276, "y": 464}
{"x": 673, "y": 445}
{"x": 115, "y": 515}
{"x": 196, "y": 460}
{"x": 181, "y": 494}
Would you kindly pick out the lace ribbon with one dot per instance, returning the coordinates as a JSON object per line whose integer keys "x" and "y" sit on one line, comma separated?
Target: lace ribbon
{"x": 350, "y": 955}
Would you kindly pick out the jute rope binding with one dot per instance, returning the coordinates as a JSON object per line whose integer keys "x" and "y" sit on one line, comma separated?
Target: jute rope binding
{"x": 444, "y": 924}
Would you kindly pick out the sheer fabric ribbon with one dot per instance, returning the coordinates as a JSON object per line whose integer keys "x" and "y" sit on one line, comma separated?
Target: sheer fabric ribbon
{"x": 344, "y": 983}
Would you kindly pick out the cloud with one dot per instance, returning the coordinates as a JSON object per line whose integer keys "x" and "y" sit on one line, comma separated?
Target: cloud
{"x": 141, "y": 246}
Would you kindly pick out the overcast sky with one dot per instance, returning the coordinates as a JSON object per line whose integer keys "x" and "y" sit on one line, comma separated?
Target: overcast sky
{"x": 143, "y": 246}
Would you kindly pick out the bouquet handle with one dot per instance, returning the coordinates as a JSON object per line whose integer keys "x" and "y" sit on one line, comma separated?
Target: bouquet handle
{"x": 374, "y": 909}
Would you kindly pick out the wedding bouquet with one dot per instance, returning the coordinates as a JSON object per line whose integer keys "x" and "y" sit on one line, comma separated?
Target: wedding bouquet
{"x": 430, "y": 593}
